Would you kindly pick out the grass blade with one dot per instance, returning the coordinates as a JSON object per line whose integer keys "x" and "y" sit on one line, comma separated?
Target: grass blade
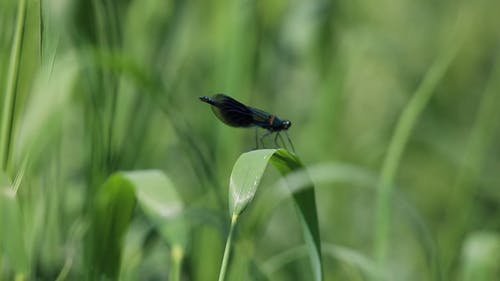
{"x": 111, "y": 217}
{"x": 10, "y": 92}
{"x": 156, "y": 196}
{"x": 305, "y": 203}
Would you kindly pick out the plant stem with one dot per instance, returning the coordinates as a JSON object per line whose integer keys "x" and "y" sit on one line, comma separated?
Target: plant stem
{"x": 10, "y": 91}
{"x": 177, "y": 255}
{"x": 227, "y": 250}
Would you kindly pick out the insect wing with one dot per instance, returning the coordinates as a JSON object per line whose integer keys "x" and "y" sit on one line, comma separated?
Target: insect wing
{"x": 260, "y": 117}
{"x": 232, "y": 112}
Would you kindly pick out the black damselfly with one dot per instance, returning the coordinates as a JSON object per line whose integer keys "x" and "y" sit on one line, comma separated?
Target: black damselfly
{"x": 236, "y": 114}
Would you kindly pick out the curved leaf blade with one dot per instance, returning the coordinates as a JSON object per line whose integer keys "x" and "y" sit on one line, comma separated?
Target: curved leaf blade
{"x": 305, "y": 203}
{"x": 158, "y": 198}
{"x": 245, "y": 178}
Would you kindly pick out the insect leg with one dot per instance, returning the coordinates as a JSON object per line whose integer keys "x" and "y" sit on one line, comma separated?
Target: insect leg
{"x": 283, "y": 142}
{"x": 290, "y": 141}
{"x": 256, "y": 138}
{"x": 262, "y": 138}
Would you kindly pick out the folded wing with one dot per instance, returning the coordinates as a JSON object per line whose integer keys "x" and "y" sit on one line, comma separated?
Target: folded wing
{"x": 232, "y": 112}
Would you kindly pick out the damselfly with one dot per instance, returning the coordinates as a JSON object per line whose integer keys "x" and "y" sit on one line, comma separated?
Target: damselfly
{"x": 236, "y": 114}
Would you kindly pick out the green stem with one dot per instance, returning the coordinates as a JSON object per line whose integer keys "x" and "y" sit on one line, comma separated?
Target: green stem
{"x": 227, "y": 250}
{"x": 177, "y": 255}
{"x": 400, "y": 138}
{"x": 10, "y": 91}
{"x": 65, "y": 270}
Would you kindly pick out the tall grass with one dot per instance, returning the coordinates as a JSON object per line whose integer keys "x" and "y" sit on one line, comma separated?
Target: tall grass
{"x": 9, "y": 100}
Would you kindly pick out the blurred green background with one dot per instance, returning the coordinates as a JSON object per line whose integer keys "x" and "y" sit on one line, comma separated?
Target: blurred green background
{"x": 405, "y": 94}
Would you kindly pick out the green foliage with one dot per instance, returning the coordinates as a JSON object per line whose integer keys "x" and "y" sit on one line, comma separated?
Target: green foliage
{"x": 10, "y": 91}
{"x": 112, "y": 168}
{"x": 158, "y": 199}
{"x": 111, "y": 217}
{"x": 12, "y": 240}
{"x": 480, "y": 256}
{"x": 160, "y": 202}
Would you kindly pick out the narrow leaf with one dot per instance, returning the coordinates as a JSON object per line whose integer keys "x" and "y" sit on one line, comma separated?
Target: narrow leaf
{"x": 305, "y": 202}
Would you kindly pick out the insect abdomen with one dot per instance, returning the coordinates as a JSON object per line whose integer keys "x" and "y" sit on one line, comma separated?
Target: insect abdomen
{"x": 208, "y": 100}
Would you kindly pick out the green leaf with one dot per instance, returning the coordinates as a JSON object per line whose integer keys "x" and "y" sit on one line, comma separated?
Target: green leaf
{"x": 480, "y": 255}
{"x": 156, "y": 197}
{"x": 245, "y": 178}
{"x": 12, "y": 234}
{"x": 160, "y": 202}
{"x": 305, "y": 203}
{"x": 111, "y": 217}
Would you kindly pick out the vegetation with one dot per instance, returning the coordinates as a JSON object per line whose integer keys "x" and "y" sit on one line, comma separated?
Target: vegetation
{"x": 111, "y": 168}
